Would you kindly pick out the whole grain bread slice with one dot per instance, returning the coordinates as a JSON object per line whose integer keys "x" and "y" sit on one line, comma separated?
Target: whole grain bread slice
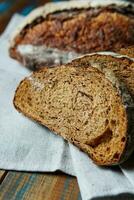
{"x": 84, "y": 106}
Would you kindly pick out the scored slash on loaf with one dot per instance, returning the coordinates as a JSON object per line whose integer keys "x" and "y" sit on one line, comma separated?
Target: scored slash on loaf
{"x": 91, "y": 109}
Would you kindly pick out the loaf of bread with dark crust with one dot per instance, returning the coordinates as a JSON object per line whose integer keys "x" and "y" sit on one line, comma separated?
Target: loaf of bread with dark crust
{"x": 86, "y": 107}
{"x": 123, "y": 67}
{"x": 128, "y": 51}
{"x": 58, "y": 32}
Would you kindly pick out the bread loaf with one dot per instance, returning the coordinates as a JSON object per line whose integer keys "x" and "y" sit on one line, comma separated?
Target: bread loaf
{"x": 58, "y": 32}
{"x": 90, "y": 109}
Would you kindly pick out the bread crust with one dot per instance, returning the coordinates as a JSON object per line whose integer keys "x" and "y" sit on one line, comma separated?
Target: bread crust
{"x": 59, "y": 6}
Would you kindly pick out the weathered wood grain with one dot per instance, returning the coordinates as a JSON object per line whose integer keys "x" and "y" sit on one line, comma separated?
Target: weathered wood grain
{"x": 33, "y": 186}
{"x": 3, "y": 174}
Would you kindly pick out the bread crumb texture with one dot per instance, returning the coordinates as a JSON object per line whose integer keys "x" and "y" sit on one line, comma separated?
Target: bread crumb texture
{"x": 79, "y": 104}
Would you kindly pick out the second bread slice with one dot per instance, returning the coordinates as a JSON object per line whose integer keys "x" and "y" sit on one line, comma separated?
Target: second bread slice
{"x": 121, "y": 66}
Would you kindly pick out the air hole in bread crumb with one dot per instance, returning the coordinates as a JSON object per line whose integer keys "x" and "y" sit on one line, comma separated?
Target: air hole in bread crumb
{"x": 123, "y": 139}
{"x": 104, "y": 138}
{"x": 106, "y": 122}
{"x": 30, "y": 104}
{"x": 116, "y": 155}
{"x": 86, "y": 122}
{"x": 108, "y": 109}
{"x": 108, "y": 148}
{"x": 113, "y": 122}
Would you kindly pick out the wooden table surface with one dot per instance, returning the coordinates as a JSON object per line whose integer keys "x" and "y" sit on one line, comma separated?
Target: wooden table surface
{"x": 38, "y": 186}
{"x": 32, "y": 186}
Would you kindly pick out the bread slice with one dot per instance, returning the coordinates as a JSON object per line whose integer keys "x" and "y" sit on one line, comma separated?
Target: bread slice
{"x": 128, "y": 51}
{"x": 122, "y": 66}
{"x": 57, "y": 32}
{"x": 84, "y": 107}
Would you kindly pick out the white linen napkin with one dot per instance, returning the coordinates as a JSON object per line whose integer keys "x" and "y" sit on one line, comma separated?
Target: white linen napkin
{"x": 27, "y": 146}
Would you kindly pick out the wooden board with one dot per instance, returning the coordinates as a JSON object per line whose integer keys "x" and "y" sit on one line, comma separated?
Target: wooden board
{"x": 33, "y": 186}
{"x": 2, "y": 172}
{"x": 2, "y": 175}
